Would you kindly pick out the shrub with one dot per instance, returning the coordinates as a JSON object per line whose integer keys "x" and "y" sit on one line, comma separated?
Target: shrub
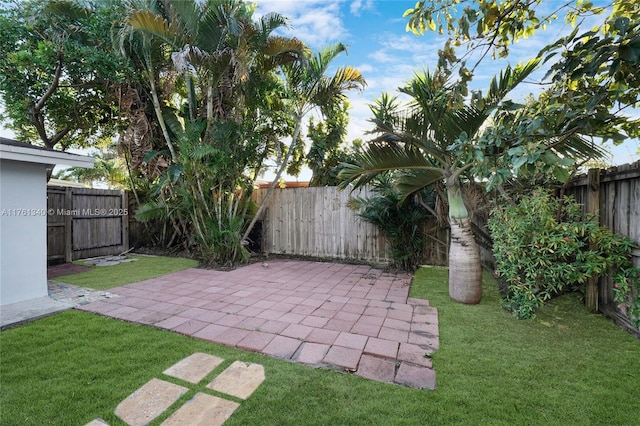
{"x": 402, "y": 224}
{"x": 626, "y": 294}
{"x": 542, "y": 249}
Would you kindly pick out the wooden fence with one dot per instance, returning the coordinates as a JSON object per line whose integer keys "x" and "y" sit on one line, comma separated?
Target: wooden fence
{"x": 614, "y": 196}
{"x": 317, "y": 222}
{"x": 84, "y": 223}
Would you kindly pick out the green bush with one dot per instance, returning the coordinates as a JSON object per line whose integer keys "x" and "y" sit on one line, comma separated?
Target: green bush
{"x": 402, "y": 224}
{"x": 542, "y": 249}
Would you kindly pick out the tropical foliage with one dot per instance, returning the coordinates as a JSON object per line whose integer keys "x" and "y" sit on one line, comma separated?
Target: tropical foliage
{"x": 402, "y": 223}
{"x": 59, "y": 75}
{"x": 544, "y": 246}
{"x": 421, "y": 139}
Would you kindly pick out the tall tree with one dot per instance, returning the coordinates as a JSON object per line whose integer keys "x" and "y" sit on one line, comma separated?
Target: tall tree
{"x": 593, "y": 72}
{"x": 58, "y": 74}
{"x": 326, "y": 151}
{"x": 417, "y": 139}
{"x": 308, "y": 86}
{"x": 209, "y": 67}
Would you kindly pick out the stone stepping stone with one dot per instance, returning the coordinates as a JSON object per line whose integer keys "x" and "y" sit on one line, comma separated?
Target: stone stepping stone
{"x": 202, "y": 410}
{"x": 97, "y": 422}
{"x": 194, "y": 367}
{"x": 240, "y": 379}
{"x": 148, "y": 402}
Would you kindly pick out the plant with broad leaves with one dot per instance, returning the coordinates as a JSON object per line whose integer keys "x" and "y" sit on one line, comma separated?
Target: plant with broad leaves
{"x": 543, "y": 247}
{"x": 626, "y": 294}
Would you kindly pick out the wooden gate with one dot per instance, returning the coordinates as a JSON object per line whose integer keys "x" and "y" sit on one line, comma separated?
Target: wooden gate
{"x": 84, "y": 223}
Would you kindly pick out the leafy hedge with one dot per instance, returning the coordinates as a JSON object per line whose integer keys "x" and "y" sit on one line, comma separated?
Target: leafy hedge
{"x": 543, "y": 247}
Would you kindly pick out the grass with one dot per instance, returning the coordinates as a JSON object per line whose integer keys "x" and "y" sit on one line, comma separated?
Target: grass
{"x": 566, "y": 367}
{"x": 146, "y": 267}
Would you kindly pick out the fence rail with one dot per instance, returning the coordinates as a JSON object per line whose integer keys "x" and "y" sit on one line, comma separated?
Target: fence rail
{"x": 84, "y": 223}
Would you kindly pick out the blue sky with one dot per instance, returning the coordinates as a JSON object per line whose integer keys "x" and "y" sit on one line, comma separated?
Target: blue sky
{"x": 388, "y": 56}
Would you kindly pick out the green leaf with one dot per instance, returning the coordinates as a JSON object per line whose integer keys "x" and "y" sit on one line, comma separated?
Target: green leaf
{"x": 561, "y": 174}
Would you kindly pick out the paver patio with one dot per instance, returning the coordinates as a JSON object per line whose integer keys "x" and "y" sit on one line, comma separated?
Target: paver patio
{"x": 355, "y": 317}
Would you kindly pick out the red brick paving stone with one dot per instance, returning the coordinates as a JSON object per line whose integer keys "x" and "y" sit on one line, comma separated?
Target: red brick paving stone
{"x": 343, "y": 357}
{"x": 397, "y": 324}
{"x": 425, "y": 319}
{"x": 347, "y": 316}
{"x": 381, "y": 347}
{"x": 425, "y": 310}
{"x": 231, "y": 336}
{"x": 211, "y": 316}
{"x": 311, "y": 353}
{"x": 251, "y": 323}
{"x": 414, "y": 354}
{"x": 317, "y": 322}
{"x": 273, "y": 326}
{"x": 282, "y": 347}
{"x": 425, "y": 327}
{"x": 256, "y": 341}
{"x": 231, "y": 320}
{"x": 171, "y": 322}
{"x": 365, "y": 329}
{"x": 400, "y": 315}
{"x": 394, "y": 334}
{"x": 325, "y": 313}
{"x": 303, "y": 310}
{"x": 232, "y": 308}
{"x": 250, "y": 311}
{"x": 282, "y": 306}
{"x": 321, "y": 335}
{"x": 416, "y": 376}
{"x": 374, "y": 368}
{"x": 354, "y": 308}
{"x": 264, "y": 304}
{"x": 297, "y": 331}
{"x": 350, "y": 340}
{"x": 155, "y": 317}
{"x": 270, "y": 314}
{"x": 375, "y": 312}
{"x": 339, "y": 325}
{"x": 292, "y": 318}
{"x": 370, "y": 320}
{"x": 423, "y": 339}
{"x": 379, "y": 304}
{"x": 210, "y": 332}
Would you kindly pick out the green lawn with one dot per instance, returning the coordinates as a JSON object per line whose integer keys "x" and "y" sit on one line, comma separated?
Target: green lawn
{"x": 146, "y": 267}
{"x": 566, "y": 367}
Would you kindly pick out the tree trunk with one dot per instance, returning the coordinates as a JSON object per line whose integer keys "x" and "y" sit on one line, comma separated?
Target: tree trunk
{"x": 275, "y": 181}
{"x": 465, "y": 272}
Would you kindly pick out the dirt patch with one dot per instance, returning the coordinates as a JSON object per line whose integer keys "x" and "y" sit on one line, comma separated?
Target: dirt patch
{"x": 65, "y": 269}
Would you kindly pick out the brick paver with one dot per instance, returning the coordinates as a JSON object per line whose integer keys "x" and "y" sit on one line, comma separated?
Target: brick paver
{"x": 355, "y": 317}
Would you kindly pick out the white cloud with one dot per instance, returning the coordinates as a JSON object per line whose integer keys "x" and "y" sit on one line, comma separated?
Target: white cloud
{"x": 316, "y": 22}
{"x": 357, "y": 6}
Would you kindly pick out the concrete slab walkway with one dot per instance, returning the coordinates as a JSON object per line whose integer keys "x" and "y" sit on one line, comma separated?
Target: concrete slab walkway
{"x": 354, "y": 317}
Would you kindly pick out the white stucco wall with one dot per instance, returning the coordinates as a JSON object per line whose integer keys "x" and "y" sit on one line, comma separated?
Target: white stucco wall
{"x": 23, "y": 231}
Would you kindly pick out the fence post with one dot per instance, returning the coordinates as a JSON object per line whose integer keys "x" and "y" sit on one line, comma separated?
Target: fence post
{"x": 68, "y": 235}
{"x": 593, "y": 208}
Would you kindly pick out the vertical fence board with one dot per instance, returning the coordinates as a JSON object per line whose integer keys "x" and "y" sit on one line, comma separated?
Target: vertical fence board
{"x": 619, "y": 210}
{"x": 317, "y": 222}
{"x": 86, "y": 223}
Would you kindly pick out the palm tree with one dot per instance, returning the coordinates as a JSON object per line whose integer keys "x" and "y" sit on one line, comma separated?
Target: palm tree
{"x": 307, "y": 86}
{"x": 417, "y": 140}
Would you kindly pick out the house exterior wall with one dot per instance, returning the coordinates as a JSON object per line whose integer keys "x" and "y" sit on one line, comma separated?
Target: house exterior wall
{"x": 23, "y": 236}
